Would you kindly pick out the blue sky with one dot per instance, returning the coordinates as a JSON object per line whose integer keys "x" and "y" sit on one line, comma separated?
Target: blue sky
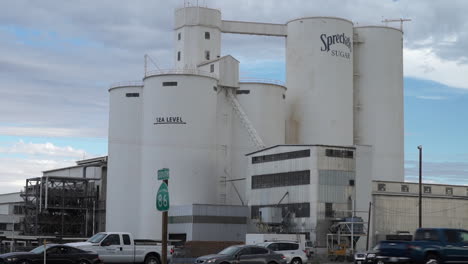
{"x": 57, "y": 60}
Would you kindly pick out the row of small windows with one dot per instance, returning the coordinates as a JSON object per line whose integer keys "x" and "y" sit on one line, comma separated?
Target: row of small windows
{"x": 291, "y": 178}
{"x": 339, "y": 153}
{"x": 281, "y": 156}
{"x": 381, "y": 187}
{"x": 207, "y": 35}
{"x": 287, "y": 210}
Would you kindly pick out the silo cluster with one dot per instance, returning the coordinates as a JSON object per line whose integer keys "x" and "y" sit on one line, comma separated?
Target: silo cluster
{"x": 343, "y": 87}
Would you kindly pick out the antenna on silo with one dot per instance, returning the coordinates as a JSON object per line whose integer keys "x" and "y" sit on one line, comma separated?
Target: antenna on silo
{"x": 401, "y": 20}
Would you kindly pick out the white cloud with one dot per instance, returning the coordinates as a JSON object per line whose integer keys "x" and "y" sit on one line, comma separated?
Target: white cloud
{"x": 50, "y": 132}
{"x": 15, "y": 171}
{"x": 431, "y": 97}
{"x": 47, "y": 149}
{"x": 425, "y": 64}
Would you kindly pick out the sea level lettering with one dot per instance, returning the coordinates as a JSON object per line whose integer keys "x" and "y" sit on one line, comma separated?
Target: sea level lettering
{"x": 169, "y": 120}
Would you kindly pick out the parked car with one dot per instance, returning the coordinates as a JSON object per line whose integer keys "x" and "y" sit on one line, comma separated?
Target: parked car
{"x": 291, "y": 250}
{"x": 243, "y": 255}
{"x": 119, "y": 247}
{"x": 55, "y": 254}
{"x": 430, "y": 245}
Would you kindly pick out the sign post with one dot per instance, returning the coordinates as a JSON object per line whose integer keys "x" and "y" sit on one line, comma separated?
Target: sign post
{"x": 162, "y": 204}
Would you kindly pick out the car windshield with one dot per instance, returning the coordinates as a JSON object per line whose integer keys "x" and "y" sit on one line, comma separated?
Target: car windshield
{"x": 262, "y": 244}
{"x": 97, "y": 238}
{"x": 229, "y": 250}
{"x": 39, "y": 249}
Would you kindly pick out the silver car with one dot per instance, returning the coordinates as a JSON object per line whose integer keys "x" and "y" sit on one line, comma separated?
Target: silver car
{"x": 290, "y": 249}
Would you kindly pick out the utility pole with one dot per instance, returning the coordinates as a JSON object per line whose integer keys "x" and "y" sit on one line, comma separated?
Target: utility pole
{"x": 368, "y": 225}
{"x": 164, "y": 233}
{"x": 420, "y": 185}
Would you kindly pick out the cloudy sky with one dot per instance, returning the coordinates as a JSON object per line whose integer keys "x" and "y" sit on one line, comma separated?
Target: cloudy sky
{"x": 58, "y": 58}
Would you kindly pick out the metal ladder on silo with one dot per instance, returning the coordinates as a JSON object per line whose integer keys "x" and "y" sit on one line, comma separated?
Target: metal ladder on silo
{"x": 256, "y": 139}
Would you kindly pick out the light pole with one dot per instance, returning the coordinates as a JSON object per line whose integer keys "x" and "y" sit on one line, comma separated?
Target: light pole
{"x": 420, "y": 185}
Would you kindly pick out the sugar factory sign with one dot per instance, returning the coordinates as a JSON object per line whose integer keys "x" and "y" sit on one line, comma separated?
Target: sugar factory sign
{"x": 169, "y": 120}
{"x": 329, "y": 41}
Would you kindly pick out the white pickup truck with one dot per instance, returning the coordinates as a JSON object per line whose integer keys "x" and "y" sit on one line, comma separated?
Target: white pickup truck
{"x": 119, "y": 247}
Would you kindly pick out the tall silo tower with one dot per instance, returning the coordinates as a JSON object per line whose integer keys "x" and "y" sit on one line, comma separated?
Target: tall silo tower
{"x": 197, "y": 36}
{"x": 378, "y": 113}
{"x": 319, "y": 77}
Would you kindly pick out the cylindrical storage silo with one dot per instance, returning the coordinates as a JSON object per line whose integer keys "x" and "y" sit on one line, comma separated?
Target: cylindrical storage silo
{"x": 378, "y": 61}
{"x": 265, "y": 107}
{"x": 123, "y": 183}
{"x": 319, "y": 77}
{"x": 178, "y": 133}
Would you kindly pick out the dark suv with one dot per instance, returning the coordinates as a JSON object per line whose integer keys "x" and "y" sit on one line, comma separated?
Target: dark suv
{"x": 243, "y": 255}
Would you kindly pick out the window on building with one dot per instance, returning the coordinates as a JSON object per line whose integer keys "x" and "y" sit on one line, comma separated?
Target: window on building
{"x": 351, "y": 182}
{"x": 3, "y": 226}
{"x": 293, "y": 209}
{"x": 169, "y": 83}
{"x": 281, "y": 156}
{"x": 242, "y": 91}
{"x": 449, "y": 191}
{"x": 212, "y": 68}
{"x": 339, "y": 153}
{"x": 132, "y": 94}
{"x": 329, "y": 210}
{"x": 207, "y": 35}
{"x": 404, "y": 188}
{"x": 207, "y": 55}
{"x": 179, "y": 36}
{"x": 178, "y": 56}
{"x": 427, "y": 189}
{"x": 18, "y": 210}
{"x": 291, "y": 178}
{"x": 381, "y": 187}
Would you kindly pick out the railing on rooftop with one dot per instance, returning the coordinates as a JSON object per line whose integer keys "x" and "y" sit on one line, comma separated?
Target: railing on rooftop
{"x": 181, "y": 71}
{"x": 127, "y": 83}
{"x": 255, "y": 80}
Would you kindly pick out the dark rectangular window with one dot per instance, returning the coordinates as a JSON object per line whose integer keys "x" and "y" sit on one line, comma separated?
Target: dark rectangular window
{"x": 242, "y": 91}
{"x": 427, "y": 189}
{"x": 207, "y": 55}
{"x": 18, "y": 210}
{"x": 169, "y": 83}
{"x": 426, "y": 235}
{"x": 288, "y": 210}
{"x": 178, "y": 56}
{"x": 212, "y": 68}
{"x": 329, "y": 210}
{"x": 281, "y": 179}
{"x": 207, "y": 35}
{"x": 126, "y": 240}
{"x": 404, "y": 188}
{"x": 281, "y": 156}
{"x": 179, "y": 36}
{"x": 339, "y": 153}
{"x": 3, "y": 226}
{"x": 132, "y": 94}
{"x": 351, "y": 182}
{"x": 381, "y": 187}
{"x": 449, "y": 191}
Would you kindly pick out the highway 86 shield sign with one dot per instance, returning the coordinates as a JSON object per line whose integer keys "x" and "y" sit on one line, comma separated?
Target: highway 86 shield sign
{"x": 162, "y": 198}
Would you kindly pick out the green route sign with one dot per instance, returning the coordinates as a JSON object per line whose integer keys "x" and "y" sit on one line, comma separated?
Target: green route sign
{"x": 162, "y": 198}
{"x": 163, "y": 174}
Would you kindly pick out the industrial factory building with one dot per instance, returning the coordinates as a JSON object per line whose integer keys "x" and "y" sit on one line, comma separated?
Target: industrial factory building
{"x": 342, "y": 104}
{"x": 306, "y": 156}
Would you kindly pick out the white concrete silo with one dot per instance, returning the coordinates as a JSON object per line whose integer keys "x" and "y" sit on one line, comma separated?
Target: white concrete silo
{"x": 123, "y": 183}
{"x": 378, "y": 63}
{"x": 197, "y": 36}
{"x": 319, "y": 77}
{"x": 265, "y": 106}
{"x": 179, "y": 133}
